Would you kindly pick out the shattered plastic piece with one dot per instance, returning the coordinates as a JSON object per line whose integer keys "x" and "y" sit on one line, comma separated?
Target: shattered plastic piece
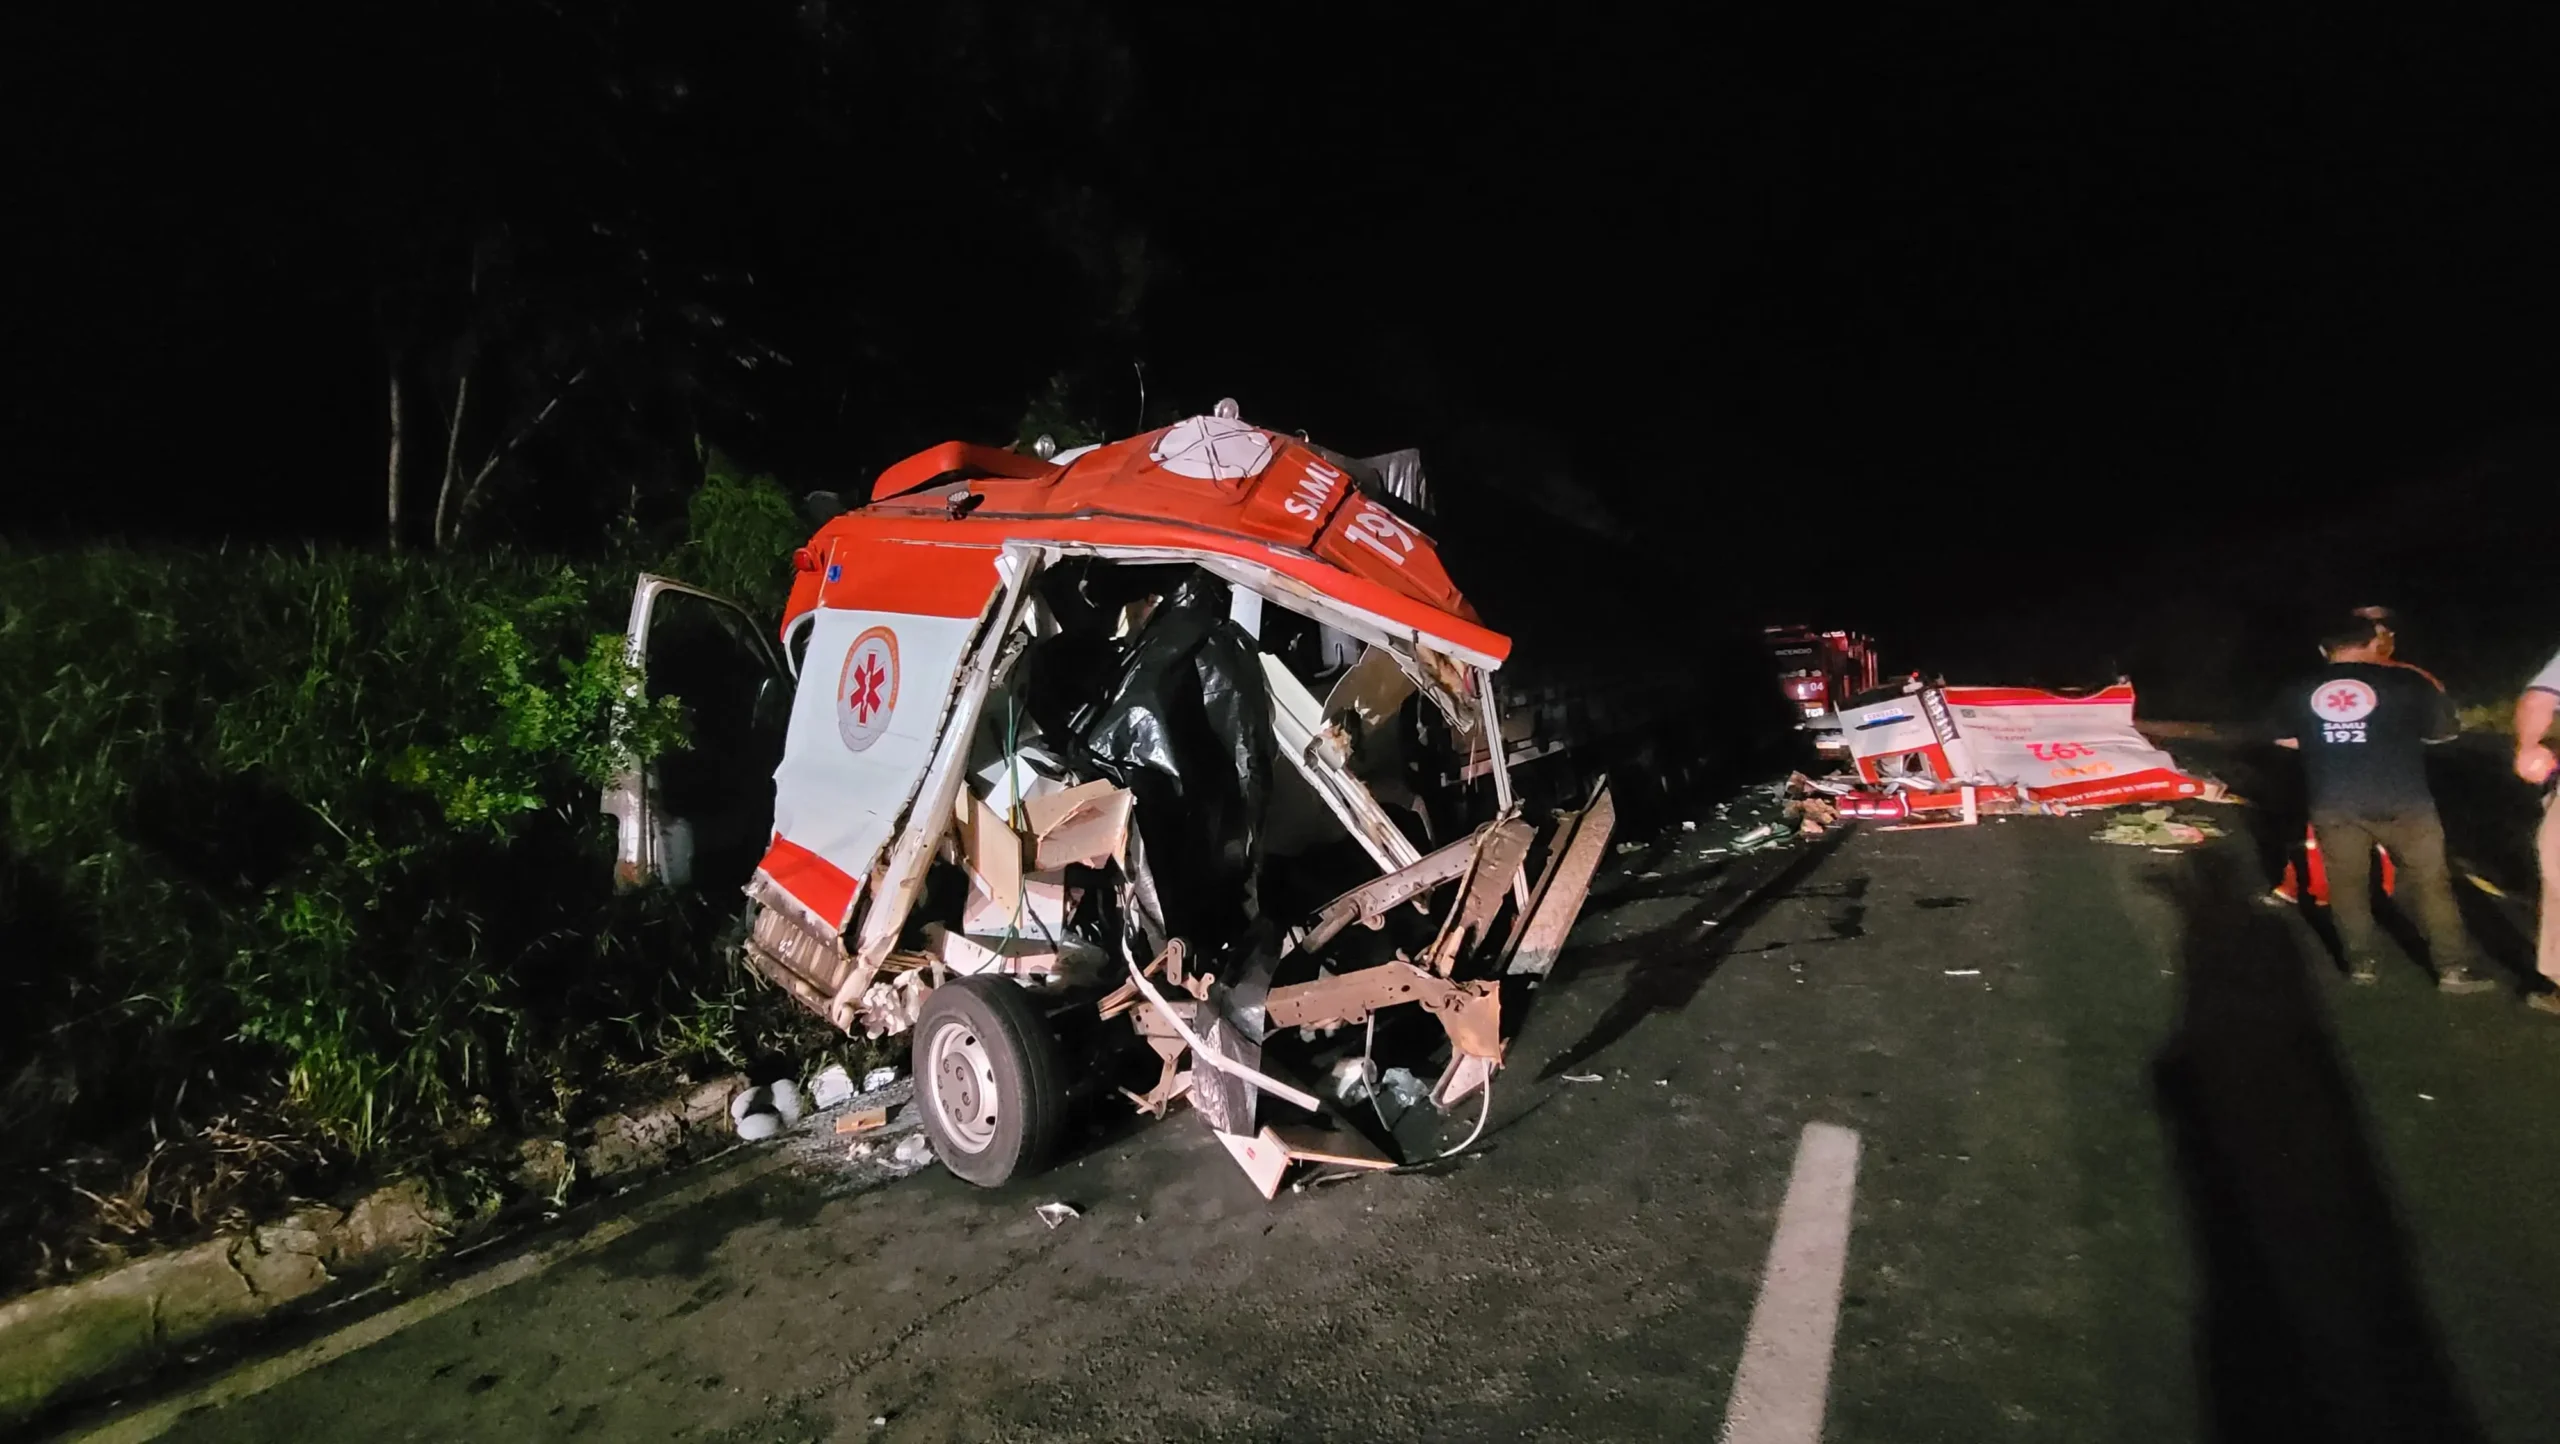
{"x": 914, "y": 1149}
{"x": 1964, "y": 972}
{"x": 757, "y": 1127}
{"x": 1688, "y": 825}
{"x": 786, "y": 1101}
{"x": 1585, "y": 1078}
{"x": 1054, "y": 1214}
{"x": 878, "y": 1078}
{"x": 1354, "y": 1079}
{"x": 1627, "y": 847}
{"x": 832, "y": 1086}
{"x": 747, "y": 1101}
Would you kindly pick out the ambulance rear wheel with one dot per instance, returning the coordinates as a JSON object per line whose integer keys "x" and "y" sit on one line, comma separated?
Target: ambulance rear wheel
{"x": 990, "y": 1082}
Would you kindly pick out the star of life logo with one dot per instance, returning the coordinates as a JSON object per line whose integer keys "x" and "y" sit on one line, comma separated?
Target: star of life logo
{"x": 867, "y": 689}
{"x": 2342, "y": 704}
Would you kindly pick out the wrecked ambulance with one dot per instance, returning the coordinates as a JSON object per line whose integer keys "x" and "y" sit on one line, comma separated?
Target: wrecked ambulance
{"x": 1158, "y": 734}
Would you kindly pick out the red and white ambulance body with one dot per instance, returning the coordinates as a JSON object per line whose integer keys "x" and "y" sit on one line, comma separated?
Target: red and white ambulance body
{"x": 907, "y": 619}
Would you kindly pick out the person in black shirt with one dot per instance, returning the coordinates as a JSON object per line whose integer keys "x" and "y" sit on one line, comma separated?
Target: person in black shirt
{"x": 2362, "y": 725}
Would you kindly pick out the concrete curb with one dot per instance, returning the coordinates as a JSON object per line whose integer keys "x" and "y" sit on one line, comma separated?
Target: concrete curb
{"x": 64, "y": 1344}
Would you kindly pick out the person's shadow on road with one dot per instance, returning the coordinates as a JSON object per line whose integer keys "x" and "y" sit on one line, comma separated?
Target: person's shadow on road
{"x": 2311, "y": 1322}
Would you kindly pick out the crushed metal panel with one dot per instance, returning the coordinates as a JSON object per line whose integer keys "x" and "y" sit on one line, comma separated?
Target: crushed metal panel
{"x": 1297, "y": 724}
{"x": 793, "y": 950}
{"x": 1500, "y": 849}
{"x": 1370, "y": 902}
{"x": 1373, "y": 689}
{"x": 900, "y": 876}
{"x": 1560, "y": 895}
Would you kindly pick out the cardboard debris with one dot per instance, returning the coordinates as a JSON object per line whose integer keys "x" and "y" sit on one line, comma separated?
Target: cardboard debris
{"x": 1080, "y": 826}
{"x": 863, "y": 1120}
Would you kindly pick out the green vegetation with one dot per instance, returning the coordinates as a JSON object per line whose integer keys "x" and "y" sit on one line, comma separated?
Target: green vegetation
{"x": 304, "y": 847}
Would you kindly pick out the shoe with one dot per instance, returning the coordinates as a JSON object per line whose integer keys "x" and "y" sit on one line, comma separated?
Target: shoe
{"x": 2363, "y": 972}
{"x": 2462, "y": 981}
{"x": 2546, "y": 1001}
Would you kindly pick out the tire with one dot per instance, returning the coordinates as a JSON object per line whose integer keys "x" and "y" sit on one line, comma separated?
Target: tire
{"x": 989, "y": 1080}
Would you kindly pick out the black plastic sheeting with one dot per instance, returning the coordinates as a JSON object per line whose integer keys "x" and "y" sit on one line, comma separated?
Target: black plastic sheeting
{"x": 1178, "y": 714}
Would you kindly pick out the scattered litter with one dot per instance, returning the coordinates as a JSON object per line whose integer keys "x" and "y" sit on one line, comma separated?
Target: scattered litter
{"x": 878, "y": 1078}
{"x": 2430, "y": 1097}
{"x": 1688, "y": 825}
{"x": 747, "y": 1101}
{"x": 1627, "y": 847}
{"x": 863, "y": 1120}
{"x": 1054, "y": 1214}
{"x": 914, "y": 1149}
{"x": 1584, "y": 1078}
{"x": 1756, "y": 836}
{"x": 757, "y": 1127}
{"x": 2157, "y": 827}
{"x": 786, "y": 1101}
{"x": 832, "y": 1086}
{"x": 2173, "y": 852}
{"x": 2482, "y": 883}
{"x": 1661, "y": 1082}
{"x": 1648, "y": 877}
{"x": 1964, "y": 972}
{"x": 859, "y": 1150}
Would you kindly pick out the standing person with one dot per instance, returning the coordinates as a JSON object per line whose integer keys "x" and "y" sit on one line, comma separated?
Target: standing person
{"x": 2535, "y": 764}
{"x": 2362, "y": 725}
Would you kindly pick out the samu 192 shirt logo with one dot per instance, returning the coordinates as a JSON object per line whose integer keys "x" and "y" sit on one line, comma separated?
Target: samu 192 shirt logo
{"x": 2342, "y": 705}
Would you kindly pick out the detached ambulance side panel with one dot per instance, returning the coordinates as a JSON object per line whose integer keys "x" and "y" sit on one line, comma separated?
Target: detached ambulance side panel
{"x": 873, "y": 688}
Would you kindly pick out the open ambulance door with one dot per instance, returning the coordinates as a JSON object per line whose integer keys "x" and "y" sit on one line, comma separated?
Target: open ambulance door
{"x": 705, "y": 808}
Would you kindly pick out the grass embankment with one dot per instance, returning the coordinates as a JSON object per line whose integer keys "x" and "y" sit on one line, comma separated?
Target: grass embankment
{"x": 303, "y": 876}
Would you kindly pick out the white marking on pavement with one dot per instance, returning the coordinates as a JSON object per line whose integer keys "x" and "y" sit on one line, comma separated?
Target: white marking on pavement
{"x": 1784, "y": 1380}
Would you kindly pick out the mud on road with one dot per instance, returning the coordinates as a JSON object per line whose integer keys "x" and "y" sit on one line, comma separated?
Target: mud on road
{"x": 2133, "y": 1167}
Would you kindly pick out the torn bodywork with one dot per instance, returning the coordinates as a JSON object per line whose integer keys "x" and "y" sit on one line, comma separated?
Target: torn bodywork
{"x": 1140, "y": 729}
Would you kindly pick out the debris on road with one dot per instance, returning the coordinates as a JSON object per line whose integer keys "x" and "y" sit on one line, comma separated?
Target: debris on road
{"x": 1054, "y": 1214}
{"x": 878, "y": 1078}
{"x": 832, "y": 1086}
{"x": 863, "y": 1120}
{"x": 914, "y": 1149}
{"x": 1934, "y": 752}
{"x": 2157, "y": 827}
{"x": 1585, "y": 1078}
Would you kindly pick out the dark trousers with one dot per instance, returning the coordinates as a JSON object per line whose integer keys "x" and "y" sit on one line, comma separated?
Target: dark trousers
{"x": 2421, "y": 887}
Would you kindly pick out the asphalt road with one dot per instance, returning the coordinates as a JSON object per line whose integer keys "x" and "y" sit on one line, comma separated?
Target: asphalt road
{"x": 2134, "y": 1165}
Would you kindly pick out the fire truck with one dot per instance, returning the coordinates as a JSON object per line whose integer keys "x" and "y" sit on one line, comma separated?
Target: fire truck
{"x": 1818, "y": 672}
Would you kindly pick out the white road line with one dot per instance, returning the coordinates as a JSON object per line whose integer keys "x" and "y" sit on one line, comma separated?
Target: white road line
{"x": 1784, "y": 1380}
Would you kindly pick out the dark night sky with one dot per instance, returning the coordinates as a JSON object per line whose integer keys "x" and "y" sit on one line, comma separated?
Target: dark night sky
{"x": 2189, "y": 280}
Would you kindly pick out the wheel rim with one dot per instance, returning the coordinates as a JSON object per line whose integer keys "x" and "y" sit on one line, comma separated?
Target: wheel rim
{"x": 961, "y": 1087}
